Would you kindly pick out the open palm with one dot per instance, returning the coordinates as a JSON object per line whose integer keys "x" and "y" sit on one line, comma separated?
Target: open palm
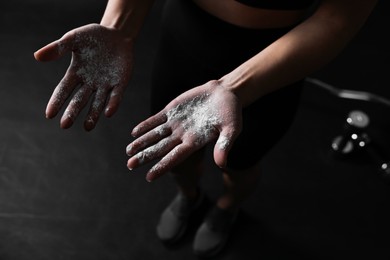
{"x": 100, "y": 70}
{"x": 195, "y": 118}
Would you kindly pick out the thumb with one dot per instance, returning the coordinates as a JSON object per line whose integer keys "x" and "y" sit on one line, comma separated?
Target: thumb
{"x": 56, "y": 49}
{"x": 222, "y": 148}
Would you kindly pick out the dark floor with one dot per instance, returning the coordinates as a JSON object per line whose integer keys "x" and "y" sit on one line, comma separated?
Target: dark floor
{"x": 67, "y": 194}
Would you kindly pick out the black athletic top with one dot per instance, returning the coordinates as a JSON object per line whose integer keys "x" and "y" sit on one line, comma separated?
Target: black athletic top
{"x": 279, "y": 4}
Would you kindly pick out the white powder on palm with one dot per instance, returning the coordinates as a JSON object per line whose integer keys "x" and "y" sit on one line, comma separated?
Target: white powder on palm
{"x": 96, "y": 67}
{"x": 198, "y": 118}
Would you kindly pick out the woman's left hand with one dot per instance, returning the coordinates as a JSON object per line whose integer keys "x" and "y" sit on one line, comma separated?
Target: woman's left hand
{"x": 195, "y": 118}
{"x": 100, "y": 69}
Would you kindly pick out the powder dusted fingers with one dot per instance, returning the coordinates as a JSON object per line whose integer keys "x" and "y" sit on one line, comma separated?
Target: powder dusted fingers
{"x": 114, "y": 100}
{"x": 78, "y": 102}
{"x": 148, "y": 139}
{"x": 174, "y": 157}
{"x": 97, "y": 106}
{"x": 149, "y": 124}
{"x": 61, "y": 93}
{"x": 153, "y": 152}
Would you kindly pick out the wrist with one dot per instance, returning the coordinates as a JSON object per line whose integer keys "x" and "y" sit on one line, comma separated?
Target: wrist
{"x": 125, "y": 16}
{"x": 240, "y": 83}
{"x": 117, "y": 24}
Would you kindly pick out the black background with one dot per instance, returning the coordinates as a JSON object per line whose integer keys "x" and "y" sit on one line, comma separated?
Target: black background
{"x": 67, "y": 194}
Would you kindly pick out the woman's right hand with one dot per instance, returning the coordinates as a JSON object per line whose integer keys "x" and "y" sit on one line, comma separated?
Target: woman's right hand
{"x": 100, "y": 69}
{"x": 204, "y": 114}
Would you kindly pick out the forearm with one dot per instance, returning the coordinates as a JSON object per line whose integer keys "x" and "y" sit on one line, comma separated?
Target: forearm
{"x": 300, "y": 52}
{"x": 126, "y": 16}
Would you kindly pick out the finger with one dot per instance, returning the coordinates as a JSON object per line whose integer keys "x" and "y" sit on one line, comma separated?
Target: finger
{"x": 56, "y": 49}
{"x": 61, "y": 93}
{"x": 78, "y": 102}
{"x": 148, "y": 139}
{"x": 96, "y": 108}
{"x": 149, "y": 124}
{"x": 223, "y": 146}
{"x": 174, "y": 157}
{"x": 156, "y": 151}
{"x": 114, "y": 100}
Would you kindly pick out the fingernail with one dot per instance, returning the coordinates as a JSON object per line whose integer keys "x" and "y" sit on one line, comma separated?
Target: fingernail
{"x": 135, "y": 131}
{"x": 89, "y": 124}
{"x": 107, "y": 112}
{"x": 128, "y": 149}
{"x": 67, "y": 123}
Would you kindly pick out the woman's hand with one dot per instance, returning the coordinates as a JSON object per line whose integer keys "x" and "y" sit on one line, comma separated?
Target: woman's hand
{"x": 100, "y": 70}
{"x": 195, "y": 118}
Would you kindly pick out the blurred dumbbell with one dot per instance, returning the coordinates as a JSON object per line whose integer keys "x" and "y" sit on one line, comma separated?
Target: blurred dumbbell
{"x": 353, "y": 137}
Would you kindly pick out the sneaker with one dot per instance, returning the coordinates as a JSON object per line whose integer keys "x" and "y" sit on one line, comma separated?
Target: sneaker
{"x": 214, "y": 232}
{"x": 174, "y": 219}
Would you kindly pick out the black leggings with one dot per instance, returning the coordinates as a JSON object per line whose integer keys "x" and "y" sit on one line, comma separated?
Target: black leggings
{"x": 196, "y": 47}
